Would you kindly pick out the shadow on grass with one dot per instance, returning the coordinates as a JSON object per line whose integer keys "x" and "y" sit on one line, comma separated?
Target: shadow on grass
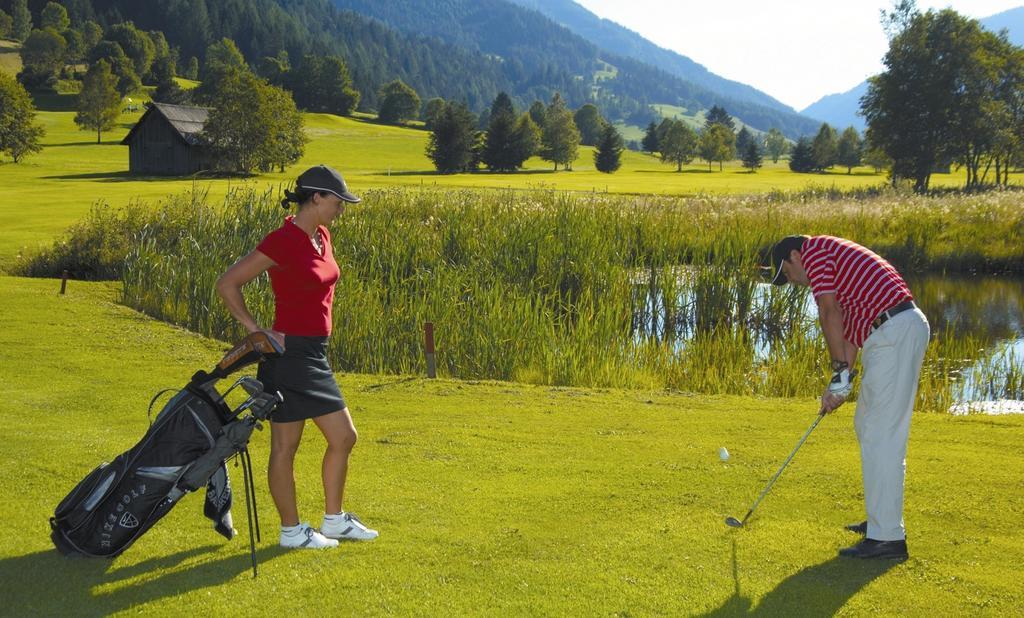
{"x": 91, "y": 142}
{"x": 670, "y": 171}
{"x": 483, "y": 173}
{"x": 122, "y": 176}
{"x": 820, "y": 590}
{"x": 48, "y": 584}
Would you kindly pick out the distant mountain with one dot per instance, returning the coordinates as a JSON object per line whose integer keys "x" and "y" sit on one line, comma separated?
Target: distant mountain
{"x": 1012, "y": 21}
{"x": 534, "y": 47}
{"x": 616, "y": 39}
{"x": 840, "y": 110}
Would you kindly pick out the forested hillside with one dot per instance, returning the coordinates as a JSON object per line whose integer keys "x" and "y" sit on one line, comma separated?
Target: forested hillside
{"x": 621, "y": 41}
{"x": 535, "y": 45}
{"x": 453, "y": 49}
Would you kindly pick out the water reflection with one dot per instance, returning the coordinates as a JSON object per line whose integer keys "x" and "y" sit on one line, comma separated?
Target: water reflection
{"x": 985, "y": 313}
{"x": 987, "y": 307}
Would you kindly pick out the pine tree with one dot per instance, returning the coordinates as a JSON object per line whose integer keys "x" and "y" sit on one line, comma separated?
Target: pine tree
{"x": 451, "y": 143}
{"x": 718, "y": 115}
{"x": 498, "y": 152}
{"x": 525, "y": 140}
{"x": 608, "y": 156}
{"x": 743, "y": 140}
{"x": 560, "y": 139}
{"x": 99, "y": 103}
{"x": 825, "y": 147}
{"x": 650, "y": 141}
{"x": 752, "y": 158}
{"x": 801, "y": 159}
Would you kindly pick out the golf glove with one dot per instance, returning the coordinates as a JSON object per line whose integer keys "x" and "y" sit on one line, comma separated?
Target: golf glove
{"x": 841, "y": 384}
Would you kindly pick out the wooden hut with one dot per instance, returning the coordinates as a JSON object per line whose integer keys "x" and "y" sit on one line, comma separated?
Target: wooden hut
{"x": 167, "y": 141}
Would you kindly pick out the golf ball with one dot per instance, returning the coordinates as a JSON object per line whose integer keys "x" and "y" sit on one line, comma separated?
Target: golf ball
{"x": 723, "y": 454}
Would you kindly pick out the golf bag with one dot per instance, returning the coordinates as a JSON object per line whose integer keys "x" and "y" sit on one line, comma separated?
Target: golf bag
{"x": 184, "y": 449}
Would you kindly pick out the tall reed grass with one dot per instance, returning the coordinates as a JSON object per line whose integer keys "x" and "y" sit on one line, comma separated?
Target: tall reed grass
{"x": 560, "y": 288}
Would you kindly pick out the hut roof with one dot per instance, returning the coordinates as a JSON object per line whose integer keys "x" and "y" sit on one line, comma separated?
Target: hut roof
{"x": 188, "y": 121}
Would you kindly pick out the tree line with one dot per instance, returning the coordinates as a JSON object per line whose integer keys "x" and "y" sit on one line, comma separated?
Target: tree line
{"x": 952, "y": 94}
{"x": 553, "y": 132}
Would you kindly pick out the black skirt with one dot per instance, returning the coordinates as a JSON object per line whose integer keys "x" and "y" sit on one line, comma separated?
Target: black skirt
{"x": 304, "y": 378}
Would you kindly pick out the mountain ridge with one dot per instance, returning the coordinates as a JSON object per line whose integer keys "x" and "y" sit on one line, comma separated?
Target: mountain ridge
{"x": 841, "y": 109}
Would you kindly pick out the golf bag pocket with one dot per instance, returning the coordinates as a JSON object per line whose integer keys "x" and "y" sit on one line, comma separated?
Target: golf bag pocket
{"x": 119, "y": 508}
{"x": 80, "y": 504}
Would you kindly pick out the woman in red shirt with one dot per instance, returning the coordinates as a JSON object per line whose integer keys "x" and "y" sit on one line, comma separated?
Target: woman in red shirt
{"x": 300, "y": 262}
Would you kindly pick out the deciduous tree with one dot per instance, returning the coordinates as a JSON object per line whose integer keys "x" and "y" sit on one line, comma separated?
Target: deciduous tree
{"x": 398, "y": 102}
{"x": 55, "y": 17}
{"x": 679, "y": 144}
{"x": 99, "y": 103}
{"x": 21, "y": 18}
{"x": 776, "y": 144}
{"x": 849, "y": 150}
{"x": 590, "y": 124}
{"x": 19, "y": 133}
{"x": 717, "y": 143}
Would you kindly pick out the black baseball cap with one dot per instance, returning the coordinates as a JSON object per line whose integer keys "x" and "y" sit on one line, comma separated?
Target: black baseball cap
{"x": 323, "y": 178}
{"x": 780, "y": 252}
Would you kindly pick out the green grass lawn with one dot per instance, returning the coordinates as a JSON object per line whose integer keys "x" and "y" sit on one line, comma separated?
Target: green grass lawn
{"x": 50, "y": 190}
{"x": 495, "y": 498}
{"x": 10, "y": 56}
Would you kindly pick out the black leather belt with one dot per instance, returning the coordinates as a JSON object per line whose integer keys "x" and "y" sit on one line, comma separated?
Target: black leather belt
{"x": 884, "y": 317}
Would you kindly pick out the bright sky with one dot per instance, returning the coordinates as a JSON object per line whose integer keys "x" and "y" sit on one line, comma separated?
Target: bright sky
{"x": 795, "y": 50}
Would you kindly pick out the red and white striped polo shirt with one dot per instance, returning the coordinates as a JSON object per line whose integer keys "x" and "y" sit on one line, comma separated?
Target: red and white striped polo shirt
{"x": 865, "y": 284}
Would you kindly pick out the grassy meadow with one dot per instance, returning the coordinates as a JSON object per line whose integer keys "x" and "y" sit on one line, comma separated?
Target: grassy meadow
{"x": 495, "y": 498}
{"x": 50, "y": 190}
{"x": 499, "y": 490}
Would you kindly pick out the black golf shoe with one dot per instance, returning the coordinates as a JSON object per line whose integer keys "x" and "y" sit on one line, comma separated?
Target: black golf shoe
{"x": 870, "y": 548}
{"x": 861, "y": 528}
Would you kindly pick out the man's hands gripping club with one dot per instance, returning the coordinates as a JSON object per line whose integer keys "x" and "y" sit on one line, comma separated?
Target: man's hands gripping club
{"x": 839, "y": 387}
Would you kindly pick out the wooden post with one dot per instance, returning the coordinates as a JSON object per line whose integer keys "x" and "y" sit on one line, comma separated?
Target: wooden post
{"x": 428, "y": 329}
{"x": 63, "y": 282}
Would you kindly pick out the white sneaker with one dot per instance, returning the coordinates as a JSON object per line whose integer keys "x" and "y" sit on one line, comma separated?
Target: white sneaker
{"x": 346, "y": 526}
{"x": 304, "y": 536}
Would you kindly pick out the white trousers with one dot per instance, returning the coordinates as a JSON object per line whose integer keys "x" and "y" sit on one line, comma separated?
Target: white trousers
{"x": 891, "y": 361}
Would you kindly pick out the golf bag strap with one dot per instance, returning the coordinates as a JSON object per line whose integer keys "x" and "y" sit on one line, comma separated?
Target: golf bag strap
{"x": 149, "y": 410}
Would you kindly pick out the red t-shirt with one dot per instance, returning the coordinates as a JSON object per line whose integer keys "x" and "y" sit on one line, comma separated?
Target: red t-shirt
{"x": 865, "y": 284}
{"x": 302, "y": 280}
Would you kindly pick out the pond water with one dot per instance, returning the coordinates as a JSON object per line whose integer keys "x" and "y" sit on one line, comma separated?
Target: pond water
{"x": 988, "y": 311}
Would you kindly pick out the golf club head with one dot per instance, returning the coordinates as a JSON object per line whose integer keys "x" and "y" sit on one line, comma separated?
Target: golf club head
{"x": 251, "y": 385}
{"x": 733, "y": 522}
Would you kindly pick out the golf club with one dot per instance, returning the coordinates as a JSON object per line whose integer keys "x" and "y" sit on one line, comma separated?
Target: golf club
{"x": 738, "y": 523}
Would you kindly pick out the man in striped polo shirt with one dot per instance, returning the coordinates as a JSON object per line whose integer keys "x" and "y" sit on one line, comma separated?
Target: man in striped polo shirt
{"x": 864, "y": 303}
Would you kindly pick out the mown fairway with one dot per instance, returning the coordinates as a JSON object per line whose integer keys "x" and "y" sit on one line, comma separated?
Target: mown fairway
{"x": 51, "y": 190}
{"x": 495, "y": 498}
